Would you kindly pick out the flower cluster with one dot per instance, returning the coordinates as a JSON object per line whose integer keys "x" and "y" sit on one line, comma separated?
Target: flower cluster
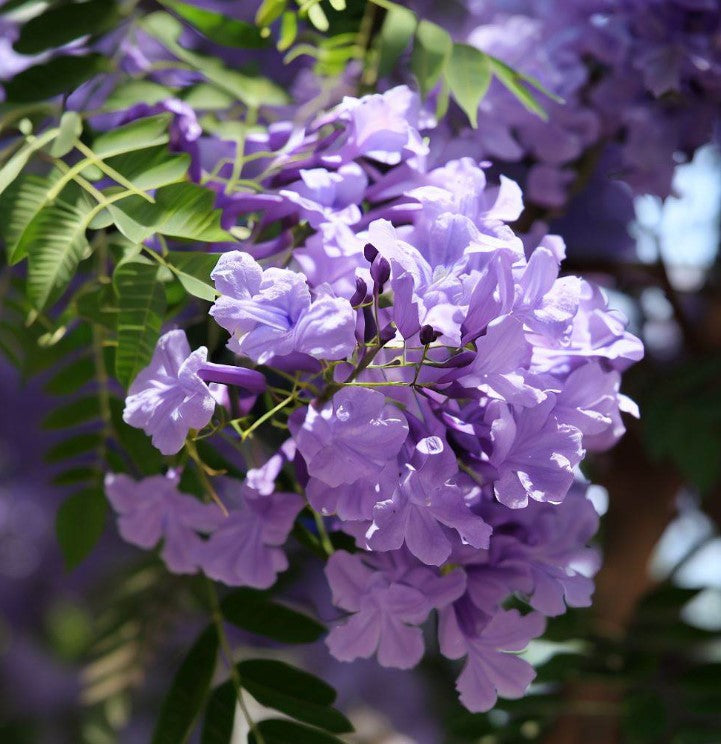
{"x": 443, "y": 387}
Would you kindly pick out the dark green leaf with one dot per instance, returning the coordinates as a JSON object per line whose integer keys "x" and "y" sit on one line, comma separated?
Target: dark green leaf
{"x": 73, "y": 446}
{"x": 278, "y": 731}
{"x": 136, "y": 444}
{"x": 74, "y": 475}
{"x": 79, "y": 524}
{"x": 397, "y": 31}
{"x": 77, "y": 412}
{"x": 61, "y": 24}
{"x": 188, "y": 691}
{"x": 141, "y": 305}
{"x": 98, "y": 305}
{"x": 59, "y": 75}
{"x": 296, "y": 693}
{"x": 254, "y": 611}
{"x": 217, "y": 27}
{"x": 431, "y": 51}
{"x": 71, "y": 377}
{"x": 468, "y": 75}
{"x": 219, "y": 716}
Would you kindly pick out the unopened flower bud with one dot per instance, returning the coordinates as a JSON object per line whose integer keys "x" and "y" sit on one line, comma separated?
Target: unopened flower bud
{"x": 361, "y": 291}
{"x": 370, "y": 252}
{"x": 428, "y": 335}
{"x": 380, "y": 271}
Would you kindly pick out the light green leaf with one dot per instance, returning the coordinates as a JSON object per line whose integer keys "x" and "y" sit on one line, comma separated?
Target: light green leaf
{"x": 65, "y": 22}
{"x": 131, "y": 92}
{"x": 397, "y": 31}
{"x": 193, "y": 271}
{"x": 288, "y": 30}
{"x": 71, "y": 125}
{"x": 431, "y": 51}
{"x": 151, "y": 167}
{"x": 217, "y": 27}
{"x": 317, "y": 16}
{"x": 269, "y": 11}
{"x": 182, "y": 210}
{"x": 468, "y": 75}
{"x": 55, "y": 243}
{"x": 513, "y": 81}
{"x": 147, "y": 132}
{"x": 60, "y": 75}
{"x": 19, "y": 160}
{"x": 208, "y": 97}
{"x": 141, "y": 304}
{"x": 79, "y": 524}
{"x": 189, "y": 689}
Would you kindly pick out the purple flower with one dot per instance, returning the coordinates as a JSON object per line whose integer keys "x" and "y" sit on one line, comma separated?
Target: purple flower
{"x": 352, "y": 437}
{"x": 153, "y": 509}
{"x": 269, "y": 312}
{"x": 244, "y": 549}
{"x": 386, "y": 609}
{"x": 534, "y": 454}
{"x": 490, "y": 671}
{"x": 427, "y": 501}
{"x": 168, "y": 398}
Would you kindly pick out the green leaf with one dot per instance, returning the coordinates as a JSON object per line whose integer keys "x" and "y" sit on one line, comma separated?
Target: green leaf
{"x": 73, "y": 446}
{"x": 151, "y": 167}
{"x": 254, "y": 611}
{"x": 98, "y": 305}
{"x": 71, "y": 126}
{"x": 193, "y": 270}
{"x": 207, "y": 97}
{"x": 217, "y": 27}
{"x": 292, "y": 691}
{"x": 74, "y": 475}
{"x": 71, "y": 377}
{"x": 254, "y": 91}
{"x": 278, "y": 731}
{"x": 188, "y": 691}
{"x": 513, "y": 81}
{"x": 219, "y": 716}
{"x": 60, "y": 75}
{"x": 396, "y": 33}
{"x": 288, "y": 30}
{"x": 182, "y": 210}
{"x": 468, "y": 75}
{"x": 147, "y": 132}
{"x": 141, "y": 305}
{"x": 77, "y": 412}
{"x": 431, "y": 51}
{"x": 131, "y": 92}
{"x": 55, "y": 243}
{"x": 19, "y": 205}
{"x": 19, "y": 160}
{"x": 63, "y": 23}
{"x": 269, "y": 11}
{"x": 79, "y": 524}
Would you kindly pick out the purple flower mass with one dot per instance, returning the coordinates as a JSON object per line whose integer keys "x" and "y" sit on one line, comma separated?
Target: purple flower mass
{"x": 442, "y": 386}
